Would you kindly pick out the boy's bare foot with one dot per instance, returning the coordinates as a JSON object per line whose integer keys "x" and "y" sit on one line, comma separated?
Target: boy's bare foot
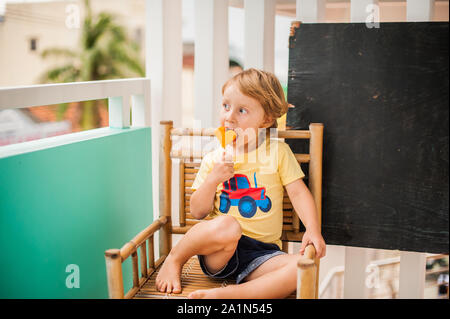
{"x": 168, "y": 279}
{"x": 204, "y": 294}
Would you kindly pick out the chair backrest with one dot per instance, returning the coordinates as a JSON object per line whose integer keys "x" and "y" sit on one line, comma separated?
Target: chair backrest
{"x": 189, "y": 165}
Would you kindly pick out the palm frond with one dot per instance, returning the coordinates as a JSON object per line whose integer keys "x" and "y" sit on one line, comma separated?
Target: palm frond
{"x": 122, "y": 55}
{"x": 62, "y": 108}
{"x": 60, "y": 74}
{"x": 106, "y": 52}
{"x": 62, "y": 52}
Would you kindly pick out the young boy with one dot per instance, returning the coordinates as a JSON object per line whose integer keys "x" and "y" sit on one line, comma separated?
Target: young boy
{"x": 242, "y": 240}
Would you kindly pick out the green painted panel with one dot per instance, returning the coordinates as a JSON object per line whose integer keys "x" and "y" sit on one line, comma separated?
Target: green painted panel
{"x": 66, "y": 205}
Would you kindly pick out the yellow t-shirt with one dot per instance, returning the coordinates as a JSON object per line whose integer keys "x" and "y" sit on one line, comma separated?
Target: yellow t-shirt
{"x": 254, "y": 196}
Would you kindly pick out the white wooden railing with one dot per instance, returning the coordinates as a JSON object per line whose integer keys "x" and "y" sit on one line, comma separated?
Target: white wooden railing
{"x": 122, "y": 96}
{"x": 118, "y": 92}
{"x": 382, "y": 281}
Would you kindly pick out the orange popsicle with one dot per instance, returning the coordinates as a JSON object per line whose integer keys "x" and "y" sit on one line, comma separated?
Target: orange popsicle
{"x": 225, "y": 137}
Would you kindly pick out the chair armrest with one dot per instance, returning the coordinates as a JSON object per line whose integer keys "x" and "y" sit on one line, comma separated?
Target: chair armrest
{"x": 310, "y": 252}
{"x": 115, "y": 257}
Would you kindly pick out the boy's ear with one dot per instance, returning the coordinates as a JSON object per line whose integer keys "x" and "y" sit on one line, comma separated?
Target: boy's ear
{"x": 268, "y": 121}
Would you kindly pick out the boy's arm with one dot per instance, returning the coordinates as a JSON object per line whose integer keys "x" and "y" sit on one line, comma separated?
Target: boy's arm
{"x": 303, "y": 203}
{"x": 202, "y": 200}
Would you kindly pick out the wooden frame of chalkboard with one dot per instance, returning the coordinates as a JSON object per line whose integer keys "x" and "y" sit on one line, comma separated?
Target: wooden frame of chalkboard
{"x": 383, "y": 95}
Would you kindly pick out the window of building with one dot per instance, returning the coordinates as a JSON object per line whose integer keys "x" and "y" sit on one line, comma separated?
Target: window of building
{"x": 33, "y": 44}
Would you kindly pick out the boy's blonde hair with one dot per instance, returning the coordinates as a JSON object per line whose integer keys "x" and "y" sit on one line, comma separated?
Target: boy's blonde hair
{"x": 265, "y": 88}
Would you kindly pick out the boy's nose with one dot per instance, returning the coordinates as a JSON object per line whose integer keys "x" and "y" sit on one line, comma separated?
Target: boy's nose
{"x": 231, "y": 116}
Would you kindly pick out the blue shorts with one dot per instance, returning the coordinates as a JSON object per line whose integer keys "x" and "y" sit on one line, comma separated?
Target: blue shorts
{"x": 249, "y": 255}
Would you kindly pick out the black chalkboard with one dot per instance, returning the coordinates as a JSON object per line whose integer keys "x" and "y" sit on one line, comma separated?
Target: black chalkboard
{"x": 382, "y": 94}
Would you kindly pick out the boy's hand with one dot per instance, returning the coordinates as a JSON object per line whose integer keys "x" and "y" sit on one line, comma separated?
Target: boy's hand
{"x": 316, "y": 239}
{"x": 222, "y": 170}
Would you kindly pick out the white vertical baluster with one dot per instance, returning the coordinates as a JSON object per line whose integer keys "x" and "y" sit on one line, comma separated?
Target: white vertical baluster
{"x": 361, "y": 9}
{"x": 419, "y": 10}
{"x": 356, "y": 260}
{"x": 412, "y": 275}
{"x": 311, "y": 11}
{"x": 119, "y": 111}
{"x": 164, "y": 61}
{"x": 211, "y": 59}
{"x": 260, "y": 34}
{"x": 140, "y": 105}
{"x": 164, "y": 58}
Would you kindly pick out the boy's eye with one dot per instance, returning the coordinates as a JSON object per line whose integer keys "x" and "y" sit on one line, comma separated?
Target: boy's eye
{"x": 243, "y": 111}
{"x": 226, "y": 106}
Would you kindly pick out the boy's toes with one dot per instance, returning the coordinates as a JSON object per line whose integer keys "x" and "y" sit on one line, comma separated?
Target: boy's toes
{"x": 169, "y": 288}
{"x": 176, "y": 289}
{"x": 162, "y": 287}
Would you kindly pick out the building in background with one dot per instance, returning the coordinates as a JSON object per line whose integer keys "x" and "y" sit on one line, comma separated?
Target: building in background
{"x": 27, "y": 29}
{"x": 20, "y": 125}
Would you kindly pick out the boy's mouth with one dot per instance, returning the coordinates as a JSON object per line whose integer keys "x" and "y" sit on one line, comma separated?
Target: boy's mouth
{"x": 236, "y": 134}
{"x": 230, "y": 129}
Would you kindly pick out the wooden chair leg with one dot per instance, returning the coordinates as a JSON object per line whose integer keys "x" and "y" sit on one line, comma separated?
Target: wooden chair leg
{"x": 114, "y": 273}
{"x": 306, "y": 274}
{"x": 165, "y": 244}
{"x": 306, "y": 279}
{"x": 285, "y": 246}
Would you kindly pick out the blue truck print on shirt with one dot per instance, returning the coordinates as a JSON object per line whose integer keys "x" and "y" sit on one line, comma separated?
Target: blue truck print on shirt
{"x": 237, "y": 192}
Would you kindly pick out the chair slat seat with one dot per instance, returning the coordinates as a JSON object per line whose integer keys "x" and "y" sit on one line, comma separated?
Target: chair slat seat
{"x": 192, "y": 278}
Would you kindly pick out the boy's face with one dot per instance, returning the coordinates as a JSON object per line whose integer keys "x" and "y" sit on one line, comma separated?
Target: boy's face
{"x": 242, "y": 114}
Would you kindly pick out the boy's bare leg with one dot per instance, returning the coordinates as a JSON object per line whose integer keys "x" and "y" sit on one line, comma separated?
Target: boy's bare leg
{"x": 215, "y": 239}
{"x": 276, "y": 278}
{"x": 272, "y": 264}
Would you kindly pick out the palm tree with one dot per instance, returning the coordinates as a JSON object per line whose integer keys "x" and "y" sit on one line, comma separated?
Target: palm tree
{"x": 105, "y": 52}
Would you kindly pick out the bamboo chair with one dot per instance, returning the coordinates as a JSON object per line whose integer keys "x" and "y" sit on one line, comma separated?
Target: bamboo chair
{"x": 192, "y": 277}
